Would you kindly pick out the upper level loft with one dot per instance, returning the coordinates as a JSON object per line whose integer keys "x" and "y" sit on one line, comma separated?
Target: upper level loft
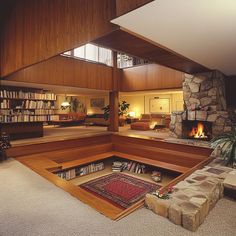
{"x": 93, "y": 53}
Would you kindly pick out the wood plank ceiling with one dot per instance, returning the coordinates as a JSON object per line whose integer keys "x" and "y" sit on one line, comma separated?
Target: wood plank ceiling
{"x": 123, "y": 41}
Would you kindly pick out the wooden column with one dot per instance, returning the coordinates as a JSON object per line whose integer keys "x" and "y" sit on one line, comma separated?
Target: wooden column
{"x": 114, "y": 110}
{"x": 114, "y": 98}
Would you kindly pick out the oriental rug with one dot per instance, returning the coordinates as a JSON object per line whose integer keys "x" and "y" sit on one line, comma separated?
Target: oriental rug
{"x": 119, "y": 189}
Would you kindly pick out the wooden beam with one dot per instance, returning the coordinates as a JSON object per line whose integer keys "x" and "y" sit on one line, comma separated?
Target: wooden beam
{"x": 66, "y": 71}
{"x": 135, "y": 45}
{"x": 114, "y": 110}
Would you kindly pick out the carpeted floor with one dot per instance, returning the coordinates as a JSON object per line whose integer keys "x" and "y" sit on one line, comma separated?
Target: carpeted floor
{"x": 30, "y": 205}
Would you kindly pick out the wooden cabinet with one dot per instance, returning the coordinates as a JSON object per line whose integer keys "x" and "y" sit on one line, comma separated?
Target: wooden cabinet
{"x": 21, "y": 130}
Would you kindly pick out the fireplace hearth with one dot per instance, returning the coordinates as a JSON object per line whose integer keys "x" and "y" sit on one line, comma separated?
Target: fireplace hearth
{"x": 205, "y": 113}
{"x": 199, "y": 130}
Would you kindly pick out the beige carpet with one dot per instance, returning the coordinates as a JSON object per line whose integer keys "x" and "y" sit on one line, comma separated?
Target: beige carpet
{"x": 30, "y": 205}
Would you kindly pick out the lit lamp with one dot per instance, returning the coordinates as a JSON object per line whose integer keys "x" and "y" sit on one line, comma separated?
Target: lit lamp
{"x": 131, "y": 114}
{"x": 65, "y": 104}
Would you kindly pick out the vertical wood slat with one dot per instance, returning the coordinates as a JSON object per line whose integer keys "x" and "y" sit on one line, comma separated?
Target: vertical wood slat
{"x": 151, "y": 76}
{"x": 124, "y": 6}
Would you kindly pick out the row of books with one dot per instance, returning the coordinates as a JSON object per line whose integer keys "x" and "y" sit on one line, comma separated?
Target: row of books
{"x": 5, "y": 104}
{"x": 136, "y": 167}
{"x": 94, "y": 167}
{"x": 118, "y": 166}
{"x": 27, "y": 95}
{"x": 67, "y": 174}
{"x": 27, "y": 118}
{"x": 79, "y": 171}
{"x": 132, "y": 166}
{"x": 20, "y": 112}
{"x": 27, "y": 104}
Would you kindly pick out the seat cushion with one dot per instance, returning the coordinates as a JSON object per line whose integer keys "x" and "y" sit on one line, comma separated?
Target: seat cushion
{"x": 140, "y": 126}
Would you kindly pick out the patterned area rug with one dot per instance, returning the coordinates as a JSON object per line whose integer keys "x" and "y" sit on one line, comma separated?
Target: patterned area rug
{"x": 119, "y": 189}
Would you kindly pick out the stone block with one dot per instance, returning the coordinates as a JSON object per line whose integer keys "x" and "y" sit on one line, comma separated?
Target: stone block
{"x": 223, "y": 102}
{"x": 203, "y": 205}
{"x": 213, "y": 108}
{"x": 230, "y": 181}
{"x": 210, "y": 190}
{"x": 227, "y": 128}
{"x": 205, "y": 101}
{"x": 194, "y": 87}
{"x": 186, "y": 88}
{"x": 200, "y": 95}
{"x": 181, "y": 185}
{"x": 209, "y": 173}
{"x": 220, "y": 121}
{"x": 206, "y": 85}
{"x": 194, "y": 101}
{"x": 191, "y": 115}
{"x": 199, "y": 79}
{"x": 173, "y": 119}
{"x": 157, "y": 205}
{"x": 201, "y": 115}
{"x": 188, "y": 76}
{"x": 184, "y": 115}
{"x": 178, "y": 129}
{"x": 212, "y": 117}
{"x": 186, "y": 95}
{"x": 217, "y": 129}
{"x": 212, "y": 92}
{"x": 179, "y": 197}
{"x": 190, "y": 216}
{"x": 175, "y": 214}
{"x": 179, "y": 118}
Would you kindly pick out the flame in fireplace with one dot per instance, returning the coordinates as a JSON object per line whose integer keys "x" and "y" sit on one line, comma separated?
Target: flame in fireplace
{"x": 198, "y": 132}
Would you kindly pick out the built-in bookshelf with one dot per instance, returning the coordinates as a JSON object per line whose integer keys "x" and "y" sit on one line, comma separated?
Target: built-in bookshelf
{"x": 77, "y": 171}
{"x": 26, "y": 105}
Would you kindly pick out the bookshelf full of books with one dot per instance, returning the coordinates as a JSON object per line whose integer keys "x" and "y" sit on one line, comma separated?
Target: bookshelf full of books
{"x": 23, "y": 111}
{"x": 74, "y": 172}
{"x": 26, "y": 105}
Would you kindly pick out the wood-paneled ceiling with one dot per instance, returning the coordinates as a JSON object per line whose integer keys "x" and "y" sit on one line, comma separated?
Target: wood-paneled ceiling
{"x": 5, "y": 7}
{"x": 123, "y": 41}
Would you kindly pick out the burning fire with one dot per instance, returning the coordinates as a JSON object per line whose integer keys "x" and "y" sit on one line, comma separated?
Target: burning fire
{"x": 198, "y": 132}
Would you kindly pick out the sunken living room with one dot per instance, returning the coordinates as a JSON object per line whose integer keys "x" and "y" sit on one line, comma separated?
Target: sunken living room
{"x": 117, "y": 117}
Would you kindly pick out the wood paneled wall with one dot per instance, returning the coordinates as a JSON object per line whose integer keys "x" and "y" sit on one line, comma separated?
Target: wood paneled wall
{"x": 36, "y": 30}
{"x": 65, "y": 71}
{"x": 150, "y": 77}
{"x": 124, "y": 6}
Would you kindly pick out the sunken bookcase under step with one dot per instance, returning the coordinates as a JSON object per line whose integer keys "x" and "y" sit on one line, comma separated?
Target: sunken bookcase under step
{"x": 116, "y": 164}
{"x": 77, "y": 171}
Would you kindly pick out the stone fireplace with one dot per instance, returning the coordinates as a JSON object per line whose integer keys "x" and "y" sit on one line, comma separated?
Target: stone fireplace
{"x": 204, "y": 104}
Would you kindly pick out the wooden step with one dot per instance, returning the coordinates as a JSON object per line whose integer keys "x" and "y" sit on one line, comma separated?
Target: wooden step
{"x": 60, "y": 144}
{"x": 86, "y": 160}
{"x": 154, "y": 153}
{"x": 164, "y": 165}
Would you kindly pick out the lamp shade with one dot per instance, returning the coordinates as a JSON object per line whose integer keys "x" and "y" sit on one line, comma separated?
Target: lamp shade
{"x": 132, "y": 114}
{"x": 65, "y": 104}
